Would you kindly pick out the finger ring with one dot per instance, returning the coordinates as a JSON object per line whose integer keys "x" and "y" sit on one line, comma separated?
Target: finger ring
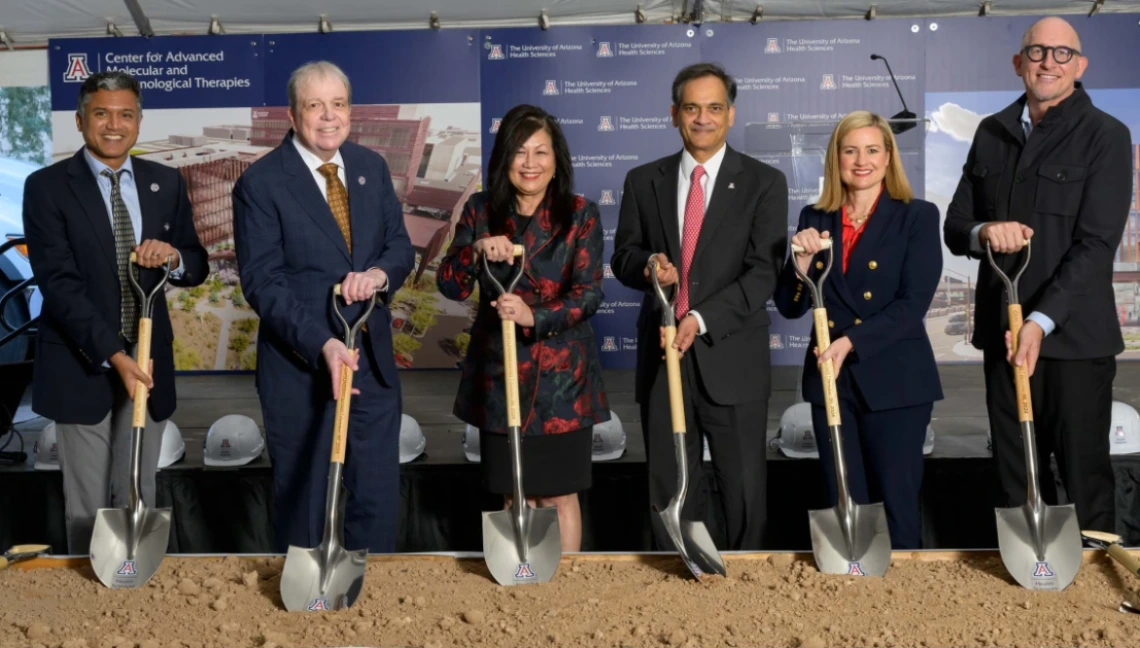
{"x": 154, "y": 254}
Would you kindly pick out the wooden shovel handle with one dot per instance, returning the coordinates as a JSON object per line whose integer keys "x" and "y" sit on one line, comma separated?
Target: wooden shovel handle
{"x": 340, "y": 421}
{"x": 1020, "y": 374}
{"x": 823, "y": 340}
{"x": 673, "y": 370}
{"x": 143, "y": 352}
{"x": 1122, "y": 556}
{"x": 511, "y": 373}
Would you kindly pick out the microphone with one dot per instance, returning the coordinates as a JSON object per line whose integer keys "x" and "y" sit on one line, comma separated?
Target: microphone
{"x": 897, "y": 127}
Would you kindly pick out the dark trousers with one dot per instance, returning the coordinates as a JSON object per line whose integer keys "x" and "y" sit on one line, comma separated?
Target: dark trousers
{"x": 883, "y": 454}
{"x": 737, "y": 443}
{"x": 299, "y": 437}
{"x": 1072, "y": 413}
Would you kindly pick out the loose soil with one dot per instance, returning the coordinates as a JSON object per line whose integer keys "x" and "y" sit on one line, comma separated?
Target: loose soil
{"x": 594, "y": 601}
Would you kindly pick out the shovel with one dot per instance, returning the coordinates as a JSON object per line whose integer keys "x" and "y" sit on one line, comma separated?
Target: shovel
{"x": 521, "y": 544}
{"x": 848, "y": 538}
{"x": 20, "y": 553}
{"x": 691, "y": 538}
{"x": 1110, "y": 542}
{"x": 328, "y": 577}
{"x": 1040, "y": 545}
{"x": 128, "y": 544}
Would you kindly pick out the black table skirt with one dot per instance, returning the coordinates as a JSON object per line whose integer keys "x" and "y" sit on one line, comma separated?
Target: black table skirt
{"x": 229, "y": 511}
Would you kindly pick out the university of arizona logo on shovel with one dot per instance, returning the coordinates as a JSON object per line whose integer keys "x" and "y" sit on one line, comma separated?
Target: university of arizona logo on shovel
{"x": 1042, "y": 571}
{"x": 126, "y": 575}
{"x": 128, "y": 569}
{"x": 524, "y": 572}
{"x": 1044, "y": 578}
{"x": 319, "y": 605}
{"x": 854, "y": 569}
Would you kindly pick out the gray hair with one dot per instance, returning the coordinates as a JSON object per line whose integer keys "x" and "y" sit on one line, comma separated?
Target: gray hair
{"x": 315, "y": 69}
{"x": 699, "y": 70}
{"x": 107, "y": 81}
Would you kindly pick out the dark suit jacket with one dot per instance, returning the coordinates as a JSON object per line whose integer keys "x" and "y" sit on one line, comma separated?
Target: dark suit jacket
{"x": 741, "y": 246}
{"x": 560, "y": 377}
{"x": 1072, "y": 183}
{"x": 291, "y": 252}
{"x": 879, "y": 304}
{"x": 71, "y": 246}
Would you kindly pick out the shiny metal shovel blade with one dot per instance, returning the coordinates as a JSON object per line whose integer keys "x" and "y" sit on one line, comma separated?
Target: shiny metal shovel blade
{"x": 322, "y": 578}
{"x": 1059, "y": 558}
{"x": 692, "y": 541}
{"x": 869, "y": 553}
{"x": 536, "y": 560}
{"x": 128, "y": 547}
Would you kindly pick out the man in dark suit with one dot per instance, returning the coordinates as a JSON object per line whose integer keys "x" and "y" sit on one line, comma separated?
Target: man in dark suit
{"x": 1053, "y": 167}
{"x": 82, "y": 218}
{"x": 314, "y": 212}
{"x": 716, "y": 221}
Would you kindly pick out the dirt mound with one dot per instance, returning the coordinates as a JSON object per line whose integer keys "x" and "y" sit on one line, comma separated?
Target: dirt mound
{"x": 592, "y": 602}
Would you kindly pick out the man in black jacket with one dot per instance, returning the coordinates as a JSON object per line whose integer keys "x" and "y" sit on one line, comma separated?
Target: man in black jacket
{"x": 716, "y": 221}
{"x": 83, "y": 216}
{"x": 1053, "y": 167}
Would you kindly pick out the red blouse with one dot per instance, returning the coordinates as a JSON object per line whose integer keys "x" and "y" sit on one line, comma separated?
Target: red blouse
{"x": 851, "y": 235}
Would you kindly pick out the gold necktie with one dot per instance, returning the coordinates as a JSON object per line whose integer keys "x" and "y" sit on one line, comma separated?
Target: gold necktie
{"x": 338, "y": 201}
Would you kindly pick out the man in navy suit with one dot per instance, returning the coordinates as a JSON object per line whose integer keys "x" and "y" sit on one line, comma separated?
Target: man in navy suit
{"x": 314, "y": 212}
{"x": 83, "y": 216}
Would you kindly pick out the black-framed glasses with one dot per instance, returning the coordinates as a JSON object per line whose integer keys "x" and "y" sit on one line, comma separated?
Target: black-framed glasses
{"x": 1062, "y": 55}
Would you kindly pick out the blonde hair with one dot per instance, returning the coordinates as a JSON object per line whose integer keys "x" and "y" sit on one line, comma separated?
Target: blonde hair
{"x": 834, "y": 193}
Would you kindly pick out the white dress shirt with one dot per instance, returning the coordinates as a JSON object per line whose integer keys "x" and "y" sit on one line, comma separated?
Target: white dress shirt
{"x": 708, "y": 182}
{"x": 314, "y": 163}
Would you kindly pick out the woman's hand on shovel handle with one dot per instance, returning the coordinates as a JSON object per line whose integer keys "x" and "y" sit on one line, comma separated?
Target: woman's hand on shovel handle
{"x": 130, "y": 372}
{"x": 837, "y": 353}
{"x": 337, "y": 355}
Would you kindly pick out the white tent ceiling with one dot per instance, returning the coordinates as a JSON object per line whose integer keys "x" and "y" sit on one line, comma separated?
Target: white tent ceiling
{"x": 32, "y": 22}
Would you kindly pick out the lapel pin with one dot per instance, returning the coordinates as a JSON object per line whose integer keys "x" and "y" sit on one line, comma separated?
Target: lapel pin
{"x": 154, "y": 186}
{"x": 732, "y": 185}
{"x": 360, "y": 180}
{"x": 166, "y": 227}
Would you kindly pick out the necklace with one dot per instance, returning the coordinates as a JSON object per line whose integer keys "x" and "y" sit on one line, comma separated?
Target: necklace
{"x": 856, "y": 220}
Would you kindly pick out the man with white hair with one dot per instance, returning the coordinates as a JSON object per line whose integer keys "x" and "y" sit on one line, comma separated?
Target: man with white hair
{"x": 317, "y": 211}
{"x": 1054, "y": 168}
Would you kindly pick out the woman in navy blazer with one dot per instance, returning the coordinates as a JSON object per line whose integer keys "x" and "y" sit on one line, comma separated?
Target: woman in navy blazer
{"x": 887, "y": 265}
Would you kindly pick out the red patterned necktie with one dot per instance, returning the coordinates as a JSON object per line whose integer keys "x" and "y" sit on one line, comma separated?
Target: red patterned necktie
{"x": 694, "y": 216}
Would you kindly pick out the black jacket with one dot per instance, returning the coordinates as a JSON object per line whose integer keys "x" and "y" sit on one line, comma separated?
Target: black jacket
{"x": 71, "y": 246}
{"x": 1072, "y": 184}
{"x": 734, "y": 269}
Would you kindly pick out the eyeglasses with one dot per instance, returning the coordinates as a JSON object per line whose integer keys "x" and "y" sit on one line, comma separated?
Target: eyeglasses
{"x": 1062, "y": 55}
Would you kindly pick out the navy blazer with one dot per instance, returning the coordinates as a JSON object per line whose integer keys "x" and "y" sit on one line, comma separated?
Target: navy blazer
{"x": 71, "y": 246}
{"x": 291, "y": 252}
{"x": 879, "y": 304}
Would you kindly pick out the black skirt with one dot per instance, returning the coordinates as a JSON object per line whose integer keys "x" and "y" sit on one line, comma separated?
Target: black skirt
{"x": 553, "y": 464}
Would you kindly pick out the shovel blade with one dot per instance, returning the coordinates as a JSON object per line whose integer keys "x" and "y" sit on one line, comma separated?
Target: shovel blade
{"x": 1061, "y": 552}
{"x": 692, "y": 541}
{"x": 125, "y": 553}
{"x": 501, "y": 550}
{"x": 310, "y": 582}
{"x": 870, "y": 551}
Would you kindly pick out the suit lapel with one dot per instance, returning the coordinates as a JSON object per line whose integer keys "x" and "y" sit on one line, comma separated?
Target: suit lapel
{"x": 722, "y": 200}
{"x": 836, "y": 277}
{"x": 149, "y": 202}
{"x": 876, "y": 228}
{"x": 86, "y": 189}
{"x": 665, "y": 188}
{"x": 304, "y": 189}
{"x": 359, "y": 218}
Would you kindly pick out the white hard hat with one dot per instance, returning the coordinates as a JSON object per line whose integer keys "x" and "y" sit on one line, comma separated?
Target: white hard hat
{"x": 233, "y": 440}
{"x": 173, "y": 447}
{"x": 47, "y": 449}
{"x": 1124, "y": 435}
{"x": 471, "y": 443}
{"x": 928, "y": 442}
{"x": 609, "y": 439}
{"x": 797, "y": 436}
{"x": 412, "y": 441}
